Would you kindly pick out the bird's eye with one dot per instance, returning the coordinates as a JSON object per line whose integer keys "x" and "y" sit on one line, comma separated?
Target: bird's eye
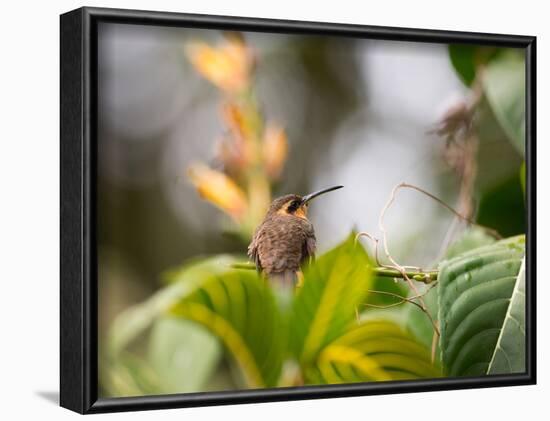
{"x": 294, "y": 205}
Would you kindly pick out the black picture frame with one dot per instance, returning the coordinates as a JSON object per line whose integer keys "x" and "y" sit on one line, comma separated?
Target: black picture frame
{"x": 79, "y": 312}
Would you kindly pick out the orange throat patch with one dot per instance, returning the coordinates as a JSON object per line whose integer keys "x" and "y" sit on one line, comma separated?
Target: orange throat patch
{"x": 301, "y": 212}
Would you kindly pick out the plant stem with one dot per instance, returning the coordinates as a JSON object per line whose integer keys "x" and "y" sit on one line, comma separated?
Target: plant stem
{"x": 425, "y": 277}
{"x": 244, "y": 265}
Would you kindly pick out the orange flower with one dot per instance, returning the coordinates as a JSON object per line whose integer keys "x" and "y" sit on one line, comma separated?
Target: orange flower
{"x": 229, "y": 152}
{"x": 227, "y": 66}
{"x": 236, "y": 119}
{"x": 243, "y": 126}
{"x": 274, "y": 150}
{"x": 220, "y": 190}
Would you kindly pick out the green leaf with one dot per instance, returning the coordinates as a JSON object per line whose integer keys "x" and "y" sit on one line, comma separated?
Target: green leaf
{"x": 462, "y": 59}
{"x": 133, "y": 321}
{"x": 418, "y": 322}
{"x": 504, "y": 87}
{"x": 128, "y": 375}
{"x": 509, "y": 355}
{"x": 466, "y": 59}
{"x": 376, "y": 350}
{"x": 503, "y": 207}
{"x": 240, "y": 309}
{"x": 475, "y": 289}
{"x": 183, "y": 354}
{"x": 334, "y": 287}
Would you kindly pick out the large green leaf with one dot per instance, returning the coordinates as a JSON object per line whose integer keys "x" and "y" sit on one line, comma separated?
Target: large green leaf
{"x": 334, "y": 287}
{"x": 475, "y": 289}
{"x": 416, "y": 320}
{"x": 509, "y": 355}
{"x": 183, "y": 354}
{"x": 183, "y": 281}
{"x": 241, "y": 310}
{"x": 376, "y": 350}
{"x": 504, "y": 87}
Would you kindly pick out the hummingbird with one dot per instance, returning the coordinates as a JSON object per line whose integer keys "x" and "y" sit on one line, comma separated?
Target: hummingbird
{"x": 285, "y": 239}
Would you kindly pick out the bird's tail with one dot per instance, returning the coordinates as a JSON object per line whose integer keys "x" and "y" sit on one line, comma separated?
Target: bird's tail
{"x": 287, "y": 278}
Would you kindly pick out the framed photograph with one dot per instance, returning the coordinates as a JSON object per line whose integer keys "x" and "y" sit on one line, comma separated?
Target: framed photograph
{"x": 257, "y": 210}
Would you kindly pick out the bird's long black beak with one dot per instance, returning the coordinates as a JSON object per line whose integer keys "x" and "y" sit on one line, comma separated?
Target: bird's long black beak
{"x": 313, "y": 195}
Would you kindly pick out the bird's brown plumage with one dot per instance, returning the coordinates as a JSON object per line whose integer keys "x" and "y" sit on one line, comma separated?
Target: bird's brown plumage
{"x": 282, "y": 242}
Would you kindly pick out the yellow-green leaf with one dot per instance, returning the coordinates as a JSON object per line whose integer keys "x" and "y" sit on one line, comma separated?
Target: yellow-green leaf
{"x": 333, "y": 288}
{"x": 183, "y": 282}
{"x": 240, "y": 309}
{"x": 376, "y": 350}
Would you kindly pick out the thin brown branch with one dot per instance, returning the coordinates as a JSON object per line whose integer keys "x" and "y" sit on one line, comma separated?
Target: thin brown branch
{"x": 374, "y": 240}
{"x": 382, "y": 228}
{"x": 402, "y": 299}
{"x": 410, "y": 300}
{"x": 465, "y": 218}
{"x": 421, "y": 303}
{"x": 435, "y": 340}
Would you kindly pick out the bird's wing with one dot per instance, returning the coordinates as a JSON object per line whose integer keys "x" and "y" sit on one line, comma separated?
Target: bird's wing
{"x": 253, "y": 251}
{"x": 309, "y": 247}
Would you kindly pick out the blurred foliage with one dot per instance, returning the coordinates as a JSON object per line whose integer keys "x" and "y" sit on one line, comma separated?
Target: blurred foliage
{"x": 522, "y": 177}
{"x": 416, "y": 322}
{"x": 383, "y": 284}
{"x": 178, "y": 346}
{"x": 346, "y": 323}
{"x": 503, "y": 208}
{"x": 128, "y": 375}
{"x": 496, "y": 77}
{"x": 501, "y": 73}
{"x": 504, "y": 86}
{"x": 467, "y": 59}
{"x": 473, "y": 238}
{"x": 136, "y": 319}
